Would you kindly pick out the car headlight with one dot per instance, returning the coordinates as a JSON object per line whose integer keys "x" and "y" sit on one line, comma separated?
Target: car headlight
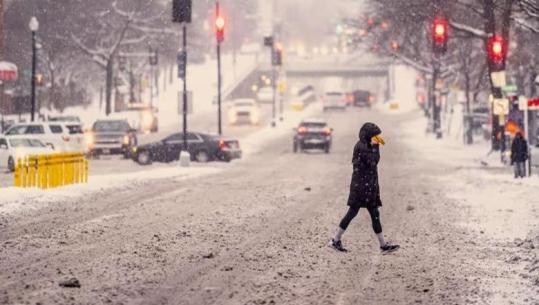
{"x": 89, "y": 139}
{"x": 146, "y": 120}
{"x": 126, "y": 140}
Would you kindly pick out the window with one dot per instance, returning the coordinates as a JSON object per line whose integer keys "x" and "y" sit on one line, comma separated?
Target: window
{"x": 35, "y": 129}
{"x": 16, "y": 130}
{"x": 3, "y": 142}
{"x": 56, "y": 128}
{"x": 192, "y": 137}
{"x": 74, "y": 129}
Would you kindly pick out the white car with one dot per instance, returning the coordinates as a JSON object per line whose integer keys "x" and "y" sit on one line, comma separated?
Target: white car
{"x": 13, "y": 148}
{"x": 265, "y": 95}
{"x": 334, "y": 100}
{"x": 74, "y": 139}
{"x": 244, "y": 110}
{"x": 53, "y": 134}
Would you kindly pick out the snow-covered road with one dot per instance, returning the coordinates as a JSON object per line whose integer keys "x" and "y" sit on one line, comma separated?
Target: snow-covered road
{"x": 259, "y": 236}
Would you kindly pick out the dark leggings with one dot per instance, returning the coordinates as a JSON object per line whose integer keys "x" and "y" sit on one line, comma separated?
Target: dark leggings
{"x": 353, "y": 211}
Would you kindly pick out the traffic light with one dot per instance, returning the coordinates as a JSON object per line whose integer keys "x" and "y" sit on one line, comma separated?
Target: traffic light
{"x": 40, "y": 79}
{"x": 440, "y": 29}
{"x": 497, "y": 52}
{"x": 277, "y": 58}
{"x": 220, "y": 28}
{"x": 182, "y": 64}
{"x": 395, "y": 46}
{"x": 181, "y": 11}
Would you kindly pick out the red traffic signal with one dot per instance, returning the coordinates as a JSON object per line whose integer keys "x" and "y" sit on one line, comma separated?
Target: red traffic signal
{"x": 497, "y": 50}
{"x": 440, "y": 34}
{"x": 220, "y": 28}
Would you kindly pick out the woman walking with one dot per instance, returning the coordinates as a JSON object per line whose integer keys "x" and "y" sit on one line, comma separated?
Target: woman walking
{"x": 364, "y": 188}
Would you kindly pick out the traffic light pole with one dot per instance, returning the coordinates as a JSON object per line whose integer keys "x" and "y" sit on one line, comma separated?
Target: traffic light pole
{"x": 436, "y": 107}
{"x": 273, "y": 105}
{"x": 184, "y": 45}
{"x": 219, "y": 77}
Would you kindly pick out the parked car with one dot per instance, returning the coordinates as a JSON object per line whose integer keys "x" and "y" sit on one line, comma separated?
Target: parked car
{"x": 52, "y": 134}
{"x": 362, "y": 98}
{"x": 109, "y": 136}
{"x": 244, "y": 111}
{"x": 15, "y": 147}
{"x": 313, "y": 134}
{"x": 202, "y": 148}
{"x": 334, "y": 100}
{"x": 265, "y": 95}
{"x": 75, "y": 137}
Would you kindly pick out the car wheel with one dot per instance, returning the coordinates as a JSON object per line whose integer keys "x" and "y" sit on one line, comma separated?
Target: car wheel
{"x": 202, "y": 156}
{"x": 11, "y": 164}
{"x": 144, "y": 158}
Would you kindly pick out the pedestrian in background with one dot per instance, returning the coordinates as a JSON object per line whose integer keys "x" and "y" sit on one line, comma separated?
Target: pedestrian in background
{"x": 364, "y": 187}
{"x": 519, "y": 155}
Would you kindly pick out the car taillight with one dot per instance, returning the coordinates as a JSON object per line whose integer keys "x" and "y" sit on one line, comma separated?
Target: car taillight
{"x": 327, "y": 131}
{"x": 65, "y": 138}
{"x": 222, "y": 144}
{"x": 302, "y": 130}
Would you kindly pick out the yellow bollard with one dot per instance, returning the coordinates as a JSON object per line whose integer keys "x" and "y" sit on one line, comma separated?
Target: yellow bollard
{"x": 17, "y": 180}
{"x": 85, "y": 176}
{"x": 31, "y": 172}
{"x": 24, "y": 171}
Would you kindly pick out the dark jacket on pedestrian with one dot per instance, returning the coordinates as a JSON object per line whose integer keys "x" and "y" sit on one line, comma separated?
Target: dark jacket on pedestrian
{"x": 519, "y": 149}
{"x": 364, "y": 188}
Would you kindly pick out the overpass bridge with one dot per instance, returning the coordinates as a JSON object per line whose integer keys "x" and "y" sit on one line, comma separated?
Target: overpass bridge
{"x": 347, "y": 73}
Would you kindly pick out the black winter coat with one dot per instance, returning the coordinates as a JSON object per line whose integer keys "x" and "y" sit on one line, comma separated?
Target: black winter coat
{"x": 519, "y": 149}
{"x": 364, "y": 188}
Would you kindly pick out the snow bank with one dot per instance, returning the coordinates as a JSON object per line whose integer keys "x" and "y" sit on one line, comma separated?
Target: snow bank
{"x": 17, "y": 199}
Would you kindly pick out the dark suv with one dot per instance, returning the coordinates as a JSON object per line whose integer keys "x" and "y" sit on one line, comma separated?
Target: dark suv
{"x": 201, "y": 147}
{"x": 313, "y": 134}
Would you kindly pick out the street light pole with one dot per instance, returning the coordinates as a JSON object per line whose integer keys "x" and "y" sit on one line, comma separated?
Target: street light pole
{"x": 34, "y": 26}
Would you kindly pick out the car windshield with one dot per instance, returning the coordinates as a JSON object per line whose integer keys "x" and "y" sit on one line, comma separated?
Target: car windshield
{"x": 313, "y": 124}
{"x": 111, "y": 126}
{"x": 26, "y": 143}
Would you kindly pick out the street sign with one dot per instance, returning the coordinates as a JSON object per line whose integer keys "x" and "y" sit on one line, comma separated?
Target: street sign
{"x": 498, "y": 79}
{"x": 500, "y": 106}
{"x": 189, "y": 102}
{"x": 533, "y": 104}
{"x": 510, "y": 88}
{"x": 8, "y": 71}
